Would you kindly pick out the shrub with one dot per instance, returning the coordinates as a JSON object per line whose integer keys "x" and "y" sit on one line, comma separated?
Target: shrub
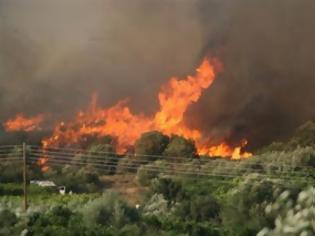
{"x": 109, "y": 210}
{"x": 246, "y": 203}
{"x": 292, "y": 217}
{"x": 199, "y": 209}
{"x": 171, "y": 190}
{"x": 180, "y": 147}
{"x": 78, "y": 181}
{"x": 7, "y": 221}
{"x": 151, "y": 143}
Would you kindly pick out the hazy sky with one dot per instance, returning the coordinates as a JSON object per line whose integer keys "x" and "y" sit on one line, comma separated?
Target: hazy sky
{"x": 75, "y": 47}
{"x": 55, "y": 54}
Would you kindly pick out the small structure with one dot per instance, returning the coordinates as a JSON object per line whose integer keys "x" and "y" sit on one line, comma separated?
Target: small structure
{"x": 44, "y": 183}
{"x": 49, "y": 184}
{"x": 62, "y": 190}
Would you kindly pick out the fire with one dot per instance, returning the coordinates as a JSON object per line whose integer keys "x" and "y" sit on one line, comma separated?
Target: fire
{"x": 22, "y": 123}
{"x": 42, "y": 163}
{"x": 117, "y": 121}
{"x": 224, "y": 150}
{"x": 120, "y": 122}
{"x": 175, "y": 98}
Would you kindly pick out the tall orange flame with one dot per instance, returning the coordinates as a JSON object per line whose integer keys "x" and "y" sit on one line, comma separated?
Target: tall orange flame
{"x": 118, "y": 121}
{"x": 22, "y": 123}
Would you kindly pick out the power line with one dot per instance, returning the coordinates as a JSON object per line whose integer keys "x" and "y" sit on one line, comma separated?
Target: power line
{"x": 163, "y": 169}
{"x": 143, "y": 161}
{"x": 11, "y": 159}
{"x": 166, "y": 163}
{"x": 183, "y": 165}
{"x": 201, "y": 165}
{"x": 78, "y": 150}
{"x": 100, "y": 154}
{"x": 219, "y": 179}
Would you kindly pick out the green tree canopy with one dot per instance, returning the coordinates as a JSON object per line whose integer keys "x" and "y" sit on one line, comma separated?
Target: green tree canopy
{"x": 180, "y": 147}
{"x": 151, "y": 143}
{"x": 246, "y": 203}
{"x": 293, "y": 217}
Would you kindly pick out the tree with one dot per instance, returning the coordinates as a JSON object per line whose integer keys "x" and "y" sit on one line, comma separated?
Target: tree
{"x": 109, "y": 210}
{"x": 293, "y": 217}
{"x": 58, "y": 220}
{"x": 180, "y": 147}
{"x": 7, "y": 220}
{"x": 103, "y": 154}
{"x": 151, "y": 143}
{"x": 77, "y": 180}
{"x": 246, "y": 203}
{"x": 171, "y": 190}
{"x": 100, "y": 158}
{"x": 304, "y": 136}
{"x": 199, "y": 209}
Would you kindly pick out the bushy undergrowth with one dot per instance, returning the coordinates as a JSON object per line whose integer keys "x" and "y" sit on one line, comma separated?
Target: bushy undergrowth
{"x": 267, "y": 194}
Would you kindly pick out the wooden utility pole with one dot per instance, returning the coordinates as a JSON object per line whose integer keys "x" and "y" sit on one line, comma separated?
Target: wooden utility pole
{"x": 24, "y": 177}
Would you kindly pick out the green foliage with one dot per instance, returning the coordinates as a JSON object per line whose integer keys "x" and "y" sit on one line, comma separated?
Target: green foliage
{"x": 103, "y": 157}
{"x": 109, "y": 210}
{"x": 295, "y": 160}
{"x": 171, "y": 190}
{"x": 10, "y": 172}
{"x": 77, "y": 180}
{"x": 146, "y": 173}
{"x": 58, "y": 220}
{"x": 246, "y": 203}
{"x": 151, "y": 143}
{"x": 199, "y": 209}
{"x": 156, "y": 206}
{"x": 7, "y": 220}
{"x": 180, "y": 147}
{"x": 205, "y": 187}
{"x": 293, "y": 217}
{"x": 235, "y": 202}
{"x": 11, "y": 189}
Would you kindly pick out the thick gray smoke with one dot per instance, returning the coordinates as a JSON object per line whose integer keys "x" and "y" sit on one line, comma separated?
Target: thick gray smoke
{"x": 267, "y": 88}
{"x": 55, "y": 54}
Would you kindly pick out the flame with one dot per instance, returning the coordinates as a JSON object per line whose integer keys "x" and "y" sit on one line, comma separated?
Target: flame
{"x": 175, "y": 98}
{"x": 224, "y": 150}
{"x": 42, "y": 163}
{"x": 22, "y": 123}
{"x": 119, "y": 121}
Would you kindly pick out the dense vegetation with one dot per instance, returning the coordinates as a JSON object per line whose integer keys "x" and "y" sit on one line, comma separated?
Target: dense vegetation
{"x": 270, "y": 194}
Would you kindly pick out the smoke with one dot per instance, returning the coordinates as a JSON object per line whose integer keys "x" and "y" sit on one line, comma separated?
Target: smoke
{"x": 55, "y": 54}
{"x": 267, "y": 88}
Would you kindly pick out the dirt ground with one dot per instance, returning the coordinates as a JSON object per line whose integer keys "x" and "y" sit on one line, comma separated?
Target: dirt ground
{"x": 126, "y": 185}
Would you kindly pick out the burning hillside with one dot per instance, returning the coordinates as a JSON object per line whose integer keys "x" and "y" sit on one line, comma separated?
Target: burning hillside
{"x": 120, "y": 122}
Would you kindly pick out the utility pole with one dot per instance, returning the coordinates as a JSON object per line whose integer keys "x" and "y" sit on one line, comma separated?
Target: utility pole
{"x": 24, "y": 177}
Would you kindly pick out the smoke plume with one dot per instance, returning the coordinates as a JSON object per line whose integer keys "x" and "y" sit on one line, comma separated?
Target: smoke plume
{"x": 55, "y": 54}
